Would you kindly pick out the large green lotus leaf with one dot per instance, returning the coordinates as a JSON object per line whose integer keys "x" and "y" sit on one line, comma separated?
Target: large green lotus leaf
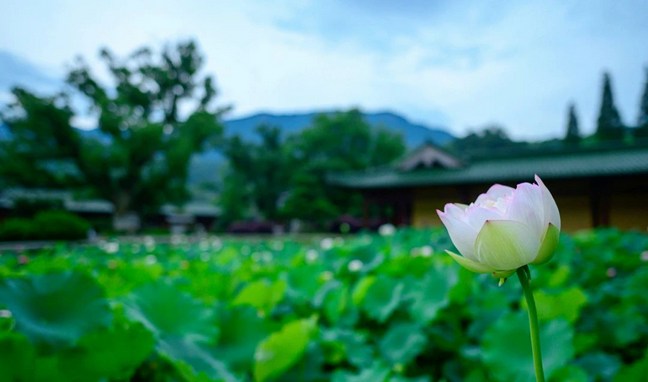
{"x": 183, "y": 328}
{"x": 432, "y": 294}
{"x": 377, "y": 373}
{"x": 559, "y": 276}
{"x": 303, "y": 281}
{"x": 332, "y": 299}
{"x": 19, "y": 362}
{"x": 282, "y": 349}
{"x": 168, "y": 312}
{"x": 241, "y": 330}
{"x": 344, "y": 345}
{"x": 262, "y": 294}
{"x": 201, "y": 359}
{"x": 368, "y": 256}
{"x": 17, "y": 357}
{"x": 565, "y": 304}
{"x": 108, "y": 354}
{"x": 569, "y": 373}
{"x": 405, "y": 264}
{"x": 57, "y": 308}
{"x": 402, "y": 343}
{"x": 600, "y": 366}
{"x": 358, "y": 351}
{"x": 465, "y": 281}
{"x": 633, "y": 372}
{"x": 361, "y": 288}
{"x": 506, "y": 347}
{"x": 310, "y": 367}
{"x": 613, "y": 333}
{"x": 400, "y": 378}
{"x": 382, "y": 297}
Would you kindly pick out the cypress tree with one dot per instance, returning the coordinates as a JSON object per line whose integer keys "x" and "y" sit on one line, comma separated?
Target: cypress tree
{"x": 609, "y": 125}
{"x": 642, "y": 121}
{"x": 573, "y": 132}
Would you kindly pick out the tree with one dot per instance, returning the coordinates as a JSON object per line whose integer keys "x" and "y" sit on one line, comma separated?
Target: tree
{"x": 487, "y": 139}
{"x": 258, "y": 175}
{"x": 609, "y": 125}
{"x": 642, "y": 121}
{"x": 573, "y": 132}
{"x": 154, "y": 115}
{"x": 335, "y": 142}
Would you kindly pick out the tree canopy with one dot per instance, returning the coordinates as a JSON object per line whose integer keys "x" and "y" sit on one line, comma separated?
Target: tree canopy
{"x": 572, "y": 136}
{"x": 281, "y": 179}
{"x": 609, "y": 124}
{"x": 156, "y": 112}
{"x": 335, "y": 142}
{"x": 642, "y": 120}
{"x": 488, "y": 138}
{"x": 257, "y": 177}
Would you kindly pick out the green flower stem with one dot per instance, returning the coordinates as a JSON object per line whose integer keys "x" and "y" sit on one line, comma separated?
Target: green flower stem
{"x": 525, "y": 275}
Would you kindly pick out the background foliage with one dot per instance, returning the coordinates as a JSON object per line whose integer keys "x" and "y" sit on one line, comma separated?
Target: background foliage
{"x": 155, "y": 111}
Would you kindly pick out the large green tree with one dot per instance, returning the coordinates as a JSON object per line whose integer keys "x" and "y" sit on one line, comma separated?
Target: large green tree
{"x": 259, "y": 174}
{"x": 609, "y": 124}
{"x": 156, "y": 111}
{"x": 336, "y": 142}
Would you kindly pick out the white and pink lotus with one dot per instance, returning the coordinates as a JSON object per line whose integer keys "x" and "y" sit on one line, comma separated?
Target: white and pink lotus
{"x": 504, "y": 229}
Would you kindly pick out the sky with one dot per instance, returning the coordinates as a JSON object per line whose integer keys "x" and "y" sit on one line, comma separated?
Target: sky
{"x": 461, "y": 65}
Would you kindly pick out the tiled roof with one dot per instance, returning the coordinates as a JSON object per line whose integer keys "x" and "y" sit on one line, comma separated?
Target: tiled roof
{"x": 582, "y": 164}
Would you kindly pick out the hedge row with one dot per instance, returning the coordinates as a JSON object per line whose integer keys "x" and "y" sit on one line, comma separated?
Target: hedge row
{"x": 47, "y": 225}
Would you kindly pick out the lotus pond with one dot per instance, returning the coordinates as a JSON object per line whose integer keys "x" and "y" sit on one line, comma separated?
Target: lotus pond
{"x": 371, "y": 308}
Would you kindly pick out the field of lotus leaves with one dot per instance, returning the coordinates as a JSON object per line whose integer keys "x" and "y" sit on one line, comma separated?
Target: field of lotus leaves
{"x": 363, "y": 308}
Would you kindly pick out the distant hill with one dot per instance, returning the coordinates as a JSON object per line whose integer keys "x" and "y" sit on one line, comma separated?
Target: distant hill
{"x": 414, "y": 134}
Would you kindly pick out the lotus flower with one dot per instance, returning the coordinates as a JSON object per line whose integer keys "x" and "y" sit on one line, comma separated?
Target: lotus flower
{"x": 504, "y": 229}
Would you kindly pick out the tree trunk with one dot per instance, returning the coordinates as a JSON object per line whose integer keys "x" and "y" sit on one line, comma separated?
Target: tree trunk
{"x": 124, "y": 219}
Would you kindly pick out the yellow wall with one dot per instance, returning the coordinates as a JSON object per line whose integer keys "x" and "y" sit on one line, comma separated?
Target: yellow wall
{"x": 629, "y": 211}
{"x": 427, "y": 201}
{"x": 424, "y": 211}
{"x": 575, "y": 212}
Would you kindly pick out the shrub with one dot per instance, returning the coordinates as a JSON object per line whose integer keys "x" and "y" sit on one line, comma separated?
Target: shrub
{"x": 16, "y": 229}
{"x": 47, "y": 225}
{"x": 60, "y": 225}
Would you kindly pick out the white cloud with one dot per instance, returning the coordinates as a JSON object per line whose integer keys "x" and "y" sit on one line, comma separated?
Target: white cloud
{"x": 462, "y": 64}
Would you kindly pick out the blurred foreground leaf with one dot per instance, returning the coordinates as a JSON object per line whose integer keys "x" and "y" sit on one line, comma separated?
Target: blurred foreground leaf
{"x": 402, "y": 343}
{"x": 566, "y": 304}
{"x": 506, "y": 347}
{"x": 113, "y": 354}
{"x": 242, "y": 329}
{"x": 262, "y": 294}
{"x": 57, "y": 308}
{"x": 282, "y": 349}
{"x": 432, "y": 294}
{"x": 382, "y": 297}
{"x": 184, "y": 328}
{"x": 19, "y": 361}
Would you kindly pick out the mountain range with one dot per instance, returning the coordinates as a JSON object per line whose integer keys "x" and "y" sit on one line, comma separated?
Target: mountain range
{"x": 413, "y": 134}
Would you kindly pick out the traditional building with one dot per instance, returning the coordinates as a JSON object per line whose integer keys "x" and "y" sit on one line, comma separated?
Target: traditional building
{"x": 598, "y": 186}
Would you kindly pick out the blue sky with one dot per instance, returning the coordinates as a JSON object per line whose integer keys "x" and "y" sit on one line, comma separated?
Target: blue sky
{"x": 459, "y": 64}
